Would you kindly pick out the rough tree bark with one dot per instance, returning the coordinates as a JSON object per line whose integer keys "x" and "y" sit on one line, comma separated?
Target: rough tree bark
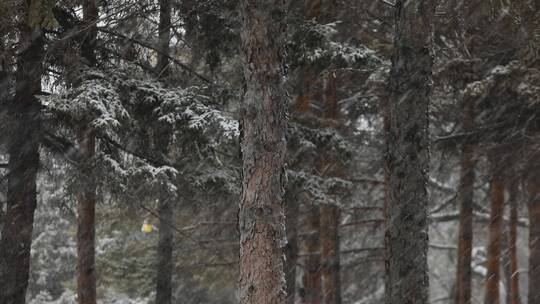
{"x": 263, "y": 147}
{"x": 408, "y": 158}
{"x": 86, "y": 197}
{"x": 23, "y": 149}
{"x": 330, "y": 215}
{"x": 166, "y": 210}
{"x": 495, "y": 231}
{"x": 533, "y": 187}
{"x": 465, "y": 196}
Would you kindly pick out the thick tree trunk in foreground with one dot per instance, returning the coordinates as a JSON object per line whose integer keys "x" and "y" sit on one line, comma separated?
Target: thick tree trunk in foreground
{"x": 263, "y": 146}
{"x": 513, "y": 200}
{"x": 86, "y": 198}
{"x": 533, "y": 186}
{"x": 465, "y": 197}
{"x": 23, "y": 148}
{"x": 492, "y": 295}
{"x": 408, "y": 158}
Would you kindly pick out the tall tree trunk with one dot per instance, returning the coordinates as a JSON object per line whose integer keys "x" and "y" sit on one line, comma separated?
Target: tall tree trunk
{"x": 263, "y": 146}
{"x": 533, "y": 186}
{"x": 166, "y": 210}
{"x": 86, "y": 198}
{"x": 23, "y": 149}
{"x": 465, "y": 197}
{"x": 165, "y": 252}
{"x": 513, "y": 200}
{"x": 330, "y": 261}
{"x": 164, "y": 28}
{"x": 408, "y": 158}
{"x": 311, "y": 278}
{"x": 492, "y": 295}
{"x": 291, "y": 253}
{"x": 330, "y": 215}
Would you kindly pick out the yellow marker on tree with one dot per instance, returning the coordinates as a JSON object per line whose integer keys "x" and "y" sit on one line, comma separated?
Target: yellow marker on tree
{"x": 147, "y": 227}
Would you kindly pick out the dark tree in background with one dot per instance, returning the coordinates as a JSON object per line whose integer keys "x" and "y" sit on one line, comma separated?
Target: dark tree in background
{"x": 86, "y": 198}
{"x": 23, "y": 148}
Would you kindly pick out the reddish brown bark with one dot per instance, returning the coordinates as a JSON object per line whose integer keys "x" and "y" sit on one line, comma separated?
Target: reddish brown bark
{"x": 330, "y": 215}
{"x": 494, "y": 243}
{"x": 533, "y": 187}
{"x": 86, "y": 197}
{"x": 86, "y": 221}
{"x": 330, "y": 260}
{"x": 465, "y": 195}
{"x": 514, "y": 295}
{"x": 263, "y": 147}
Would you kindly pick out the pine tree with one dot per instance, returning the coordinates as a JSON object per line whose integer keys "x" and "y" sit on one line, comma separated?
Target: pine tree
{"x": 408, "y": 158}
{"x": 263, "y": 146}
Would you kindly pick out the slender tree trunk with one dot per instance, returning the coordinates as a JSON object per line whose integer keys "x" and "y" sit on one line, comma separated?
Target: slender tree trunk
{"x": 492, "y": 295}
{"x": 330, "y": 274}
{"x": 311, "y": 279}
{"x": 23, "y": 149}
{"x": 166, "y": 210}
{"x": 165, "y": 252}
{"x": 263, "y": 146}
{"x": 86, "y": 198}
{"x": 408, "y": 158}
{"x": 465, "y": 197}
{"x": 164, "y": 28}
{"x": 534, "y": 238}
{"x": 291, "y": 253}
{"x": 513, "y": 200}
{"x": 330, "y": 215}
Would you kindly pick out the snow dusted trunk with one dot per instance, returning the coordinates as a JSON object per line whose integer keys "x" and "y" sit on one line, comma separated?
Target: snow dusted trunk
{"x": 533, "y": 186}
{"x": 329, "y": 222}
{"x": 465, "y": 196}
{"x": 492, "y": 295}
{"x": 86, "y": 197}
{"x": 166, "y": 210}
{"x": 23, "y": 148}
{"x": 263, "y": 147}
{"x": 406, "y": 236}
